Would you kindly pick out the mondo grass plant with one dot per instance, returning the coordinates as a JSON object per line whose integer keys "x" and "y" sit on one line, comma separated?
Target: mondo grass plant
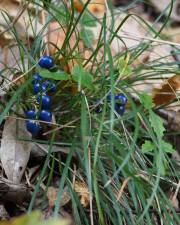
{"x": 123, "y": 157}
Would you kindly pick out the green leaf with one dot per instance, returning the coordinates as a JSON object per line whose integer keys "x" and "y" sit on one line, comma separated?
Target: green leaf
{"x": 124, "y": 68}
{"x": 157, "y": 124}
{"x": 148, "y": 146}
{"x": 167, "y": 147}
{"x": 146, "y": 100}
{"x": 87, "y": 36}
{"x": 83, "y": 77}
{"x": 88, "y": 20}
{"x": 59, "y": 75}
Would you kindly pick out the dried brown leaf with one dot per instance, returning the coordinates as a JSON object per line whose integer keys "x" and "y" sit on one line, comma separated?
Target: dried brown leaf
{"x": 14, "y": 154}
{"x": 167, "y": 92}
{"x": 82, "y": 190}
{"x": 52, "y": 196}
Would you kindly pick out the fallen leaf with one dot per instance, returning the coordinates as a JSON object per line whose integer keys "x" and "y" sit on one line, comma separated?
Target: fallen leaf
{"x": 52, "y": 196}
{"x": 167, "y": 92}
{"x": 14, "y": 154}
{"x": 82, "y": 190}
{"x": 24, "y": 24}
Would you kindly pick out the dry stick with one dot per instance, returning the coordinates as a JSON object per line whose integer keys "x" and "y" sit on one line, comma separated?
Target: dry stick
{"x": 41, "y": 121}
{"x": 128, "y": 35}
{"x": 18, "y": 78}
{"x": 62, "y": 126}
{"x": 125, "y": 182}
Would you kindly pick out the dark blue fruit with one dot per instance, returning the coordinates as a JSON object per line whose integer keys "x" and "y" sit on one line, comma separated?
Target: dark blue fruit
{"x": 36, "y": 78}
{"x": 120, "y": 109}
{"x": 109, "y": 97}
{"x": 50, "y": 86}
{"x": 33, "y": 127}
{"x": 53, "y": 87}
{"x": 31, "y": 114}
{"x": 121, "y": 99}
{"x": 46, "y": 62}
{"x": 98, "y": 109}
{"x": 45, "y": 101}
{"x": 45, "y": 115}
{"x": 37, "y": 88}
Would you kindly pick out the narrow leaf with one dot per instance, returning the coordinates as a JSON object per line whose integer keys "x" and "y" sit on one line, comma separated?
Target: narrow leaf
{"x": 59, "y": 75}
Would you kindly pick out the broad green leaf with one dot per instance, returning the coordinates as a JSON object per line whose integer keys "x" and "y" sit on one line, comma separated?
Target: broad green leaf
{"x": 87, "y": 36}
{"x": 146, "y": 100}
{"x": 88, "y": 20}
{"x": 124, "y": 68}
{"x": 148, "y": 146}
{"x": 59, "y": 75}
{"x": 167, "y": 147}
{"x": 83, "y": 77}
{"x": 33, "y": 219}
{"x": 157, "y": 124}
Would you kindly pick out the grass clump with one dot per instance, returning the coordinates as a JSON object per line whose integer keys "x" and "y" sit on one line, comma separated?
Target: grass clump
{"x": 122, "y": 160}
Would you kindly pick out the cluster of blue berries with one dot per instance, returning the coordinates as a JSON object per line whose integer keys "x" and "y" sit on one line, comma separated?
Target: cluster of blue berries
{"x": 120, "y": 103}
{"x": 40, "y": 88}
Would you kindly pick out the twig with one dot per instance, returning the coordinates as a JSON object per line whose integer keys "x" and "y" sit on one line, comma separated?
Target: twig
{"x": 128, "y": 35}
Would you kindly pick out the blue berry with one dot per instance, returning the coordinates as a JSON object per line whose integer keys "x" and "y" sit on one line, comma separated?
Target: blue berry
{"x": 44, "y": 86}
{"x": 49, "y": 85}
{"x": 31, "y": 114}
{"x": 121, "y": 99}
{"x": 46, "y": 62}
{"x": 45, "y": 100}
{"x": 37, "y": 88}
{"x": 98, "y": 109}
{"x": 120, "y": 109}
{"x": 36, "y": 78}
{"x": 109, "y": 97}
{"x": 53, "y": 87}
{"x": 33, "y": 127}
{"x": 45, "y": 115}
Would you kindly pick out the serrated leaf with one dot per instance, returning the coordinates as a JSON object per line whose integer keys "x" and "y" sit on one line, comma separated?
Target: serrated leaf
{"x": 167, "y": 147}
{"x": 148, "y": 146}
{"x": 146, "y": 100}
{"x": 59, "y": 75}
{"x": 157, "y": 124}
{"x": 83, "y": 77}
{"x": 87, "y": 36}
